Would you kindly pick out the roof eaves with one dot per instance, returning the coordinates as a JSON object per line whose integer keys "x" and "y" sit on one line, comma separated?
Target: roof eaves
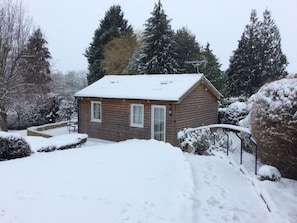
{"x": 189, "y": 90}
{"x": 212, "y": 88}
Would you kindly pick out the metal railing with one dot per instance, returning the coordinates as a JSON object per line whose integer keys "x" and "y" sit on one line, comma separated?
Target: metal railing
{"x": 237, "y": 130}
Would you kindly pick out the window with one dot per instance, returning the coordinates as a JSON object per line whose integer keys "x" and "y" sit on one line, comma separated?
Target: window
{"x": 137, "y": 113}
{"x": 96, "y": 111}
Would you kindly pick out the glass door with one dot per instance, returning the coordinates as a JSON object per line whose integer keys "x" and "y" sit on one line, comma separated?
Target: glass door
{"x": 158, "y": 122}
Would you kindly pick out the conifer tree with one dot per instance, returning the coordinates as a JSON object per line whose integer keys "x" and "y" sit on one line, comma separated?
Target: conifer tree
{"x": 34, "y": 105}
{"x": 273, "y": 62}
{"x": 258, "y": 57}
{"x": 36, "y": 64}
{"x": 188, "y": 49}
{"x": 244, "y": 64}
{"x": 212, "y": 70}
{"x": 158, "y": 52}
{"x": 134, "y": 66}
{"x": 111, "y": 26}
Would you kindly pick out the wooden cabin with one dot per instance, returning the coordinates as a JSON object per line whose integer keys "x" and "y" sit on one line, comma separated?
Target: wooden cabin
{"x": 121, "y": 107}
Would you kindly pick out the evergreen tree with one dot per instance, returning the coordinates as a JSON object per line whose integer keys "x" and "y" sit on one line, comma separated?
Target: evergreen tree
{"x": 134, "y": 64}
{"x": 187, "y": 50}
{"x": 273, "y": 61}
{"x": 36, "y": 65}
{"x": 212, "y": 70}
{"x": 113, "y": 25}
{"x": 158, "y": 52}
{"x": 258, "y": 57}
{"x": 244, "y": 64}
{"x": 33, "y": 103}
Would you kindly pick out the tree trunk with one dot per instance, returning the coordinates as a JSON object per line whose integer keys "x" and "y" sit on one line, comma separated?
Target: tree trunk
{"x": 4, "y": 126}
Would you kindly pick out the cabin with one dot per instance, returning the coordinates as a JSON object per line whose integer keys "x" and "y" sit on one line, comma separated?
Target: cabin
{"x": 121, "y": 107}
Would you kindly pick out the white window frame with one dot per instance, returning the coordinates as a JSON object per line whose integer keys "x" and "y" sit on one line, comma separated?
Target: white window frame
{"x": 94, "y": 119}
{"x": 132, "y": 123}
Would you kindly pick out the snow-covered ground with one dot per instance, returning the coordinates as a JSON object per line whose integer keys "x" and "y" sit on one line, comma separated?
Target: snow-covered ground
{"x": 139, "y": 181}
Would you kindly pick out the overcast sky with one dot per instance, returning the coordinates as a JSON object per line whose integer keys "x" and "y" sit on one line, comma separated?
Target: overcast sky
{"x": 69, "y": 25}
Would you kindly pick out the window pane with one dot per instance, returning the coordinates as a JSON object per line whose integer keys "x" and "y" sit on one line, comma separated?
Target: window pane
{"x": 96, "y": 110}
{"x": 159, "y": 124}
{"x": 137, "y": 115}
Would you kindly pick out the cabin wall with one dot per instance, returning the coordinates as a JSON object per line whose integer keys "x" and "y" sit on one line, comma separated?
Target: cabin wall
{"x": 198, "y": 108}
{"x": 115, "y": 125}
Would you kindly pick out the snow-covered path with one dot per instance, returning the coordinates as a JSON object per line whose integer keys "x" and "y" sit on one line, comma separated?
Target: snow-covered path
{"x": 224, "y": 194}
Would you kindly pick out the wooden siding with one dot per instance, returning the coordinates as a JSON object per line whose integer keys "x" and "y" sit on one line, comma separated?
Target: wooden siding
{"x": 198, "y": 107}
{"x": 115, "y": 125}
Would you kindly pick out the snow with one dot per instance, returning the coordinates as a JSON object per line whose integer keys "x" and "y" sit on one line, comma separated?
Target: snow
{"x": 132, "y": 181}
{"x": 280, "y": 197}
{"x": 140, "y": 181}
{"x": 226, "y": 126}
{"x": 279, "y": 94}
{"x": 6, "y": 135}
{"x": 234, "y": 113}
{"x": 224, "y": 194}
{"x": 238, "y": 106}
{"x": 269, "y": 171}
{"x": 39, "y": 143}
{"x": 170, "y": 87}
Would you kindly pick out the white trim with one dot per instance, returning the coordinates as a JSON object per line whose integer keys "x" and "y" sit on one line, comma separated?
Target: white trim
{"x": 93, "y": 119}
{"x": 131, "y": 115}
{"x": 153, "y": 119}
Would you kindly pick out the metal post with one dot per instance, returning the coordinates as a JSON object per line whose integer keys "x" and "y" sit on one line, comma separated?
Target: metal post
{"x": 214, "y": 137}
{"x": 241, "y": 147}
{"x": 256, "y": 152}
{"x": 227, "y": 140}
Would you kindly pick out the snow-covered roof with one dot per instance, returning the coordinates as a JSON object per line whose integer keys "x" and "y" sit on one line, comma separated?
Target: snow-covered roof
{"x": 169, "y": 87}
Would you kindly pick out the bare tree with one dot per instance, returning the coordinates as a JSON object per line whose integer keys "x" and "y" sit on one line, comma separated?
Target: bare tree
{"x": 15, "y": 29}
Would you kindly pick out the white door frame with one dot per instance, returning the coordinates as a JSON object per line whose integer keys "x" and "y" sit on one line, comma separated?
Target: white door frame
{"x": 153, "y": 107}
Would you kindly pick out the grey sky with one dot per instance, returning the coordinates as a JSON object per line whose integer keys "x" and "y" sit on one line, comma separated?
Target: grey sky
{"x": 69, "y": 25}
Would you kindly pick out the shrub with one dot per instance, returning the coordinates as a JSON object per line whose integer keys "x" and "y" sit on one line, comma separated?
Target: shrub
{"x": 63, "y": 142}
{"x": 234, "y": 113}
{"x": 195, "y": 141}
{"x": 274, "y": 125}
{"x": 13, "y": 146}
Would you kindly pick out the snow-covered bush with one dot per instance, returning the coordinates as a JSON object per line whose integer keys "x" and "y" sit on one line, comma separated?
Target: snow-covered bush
{"x": 234, "y": 113}
{"x": 195, "y": 141}
{"x": 13, "y": 146}
{"x": 246, "y": 122}
{"x": 62, "y": 142}
{"x": 271, "y": 173}
{"x": 201, "y": 140}
{"x": 67, "y": 109}
{"x": 220, "y": 141}
{"x": 274, "y": 124}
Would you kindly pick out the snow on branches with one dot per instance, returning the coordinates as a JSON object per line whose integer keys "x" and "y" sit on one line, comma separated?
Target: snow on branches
{"x": 274, "y": 124}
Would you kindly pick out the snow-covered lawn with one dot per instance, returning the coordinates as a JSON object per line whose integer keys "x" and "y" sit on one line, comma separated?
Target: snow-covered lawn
{"x": 138, "y": 181}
